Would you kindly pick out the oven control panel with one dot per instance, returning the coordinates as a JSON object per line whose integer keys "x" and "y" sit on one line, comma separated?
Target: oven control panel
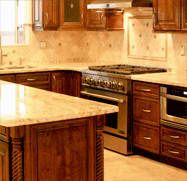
{"x": 107, "y": 83}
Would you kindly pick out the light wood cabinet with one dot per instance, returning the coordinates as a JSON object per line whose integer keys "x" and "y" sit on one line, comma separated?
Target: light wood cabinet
{"x": 4, "y": 161}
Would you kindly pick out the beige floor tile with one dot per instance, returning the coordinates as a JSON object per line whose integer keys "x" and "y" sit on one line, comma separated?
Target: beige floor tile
{"x": 138, "y": 168}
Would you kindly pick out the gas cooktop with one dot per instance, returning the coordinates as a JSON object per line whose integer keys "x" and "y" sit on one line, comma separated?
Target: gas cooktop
{"x": 126, "y": 69}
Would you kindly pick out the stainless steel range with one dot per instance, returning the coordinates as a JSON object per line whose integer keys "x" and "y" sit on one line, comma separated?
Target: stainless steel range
{"x": 112, "y": 84}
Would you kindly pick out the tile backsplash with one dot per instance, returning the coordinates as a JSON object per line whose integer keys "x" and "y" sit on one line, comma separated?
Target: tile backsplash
{"x": 137, "y": 45}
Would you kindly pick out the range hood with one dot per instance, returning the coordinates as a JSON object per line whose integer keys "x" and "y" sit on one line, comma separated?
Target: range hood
{"x": 110, "y": 4}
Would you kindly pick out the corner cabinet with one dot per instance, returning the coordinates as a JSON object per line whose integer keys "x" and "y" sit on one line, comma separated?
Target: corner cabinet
{"x": 66, "y": 82}
{"x": 58, "y": 14}
{"x": 170, "y": 15}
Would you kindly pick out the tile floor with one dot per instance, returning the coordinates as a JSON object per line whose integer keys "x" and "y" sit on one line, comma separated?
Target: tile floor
{"x": 138, "y": 168}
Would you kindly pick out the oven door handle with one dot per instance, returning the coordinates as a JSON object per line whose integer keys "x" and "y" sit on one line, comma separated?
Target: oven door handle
{"x": 177, "y": 98}
{"x": 102, "y": 97}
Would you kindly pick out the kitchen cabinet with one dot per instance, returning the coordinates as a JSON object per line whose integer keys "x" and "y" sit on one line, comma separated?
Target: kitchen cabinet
{"x": 66, "y": 82}
{"x": 146, "y": 116}
{"x": 38, "y": 79}
{"x": 8, "y": 78}
{"x": 108, "y": 19}
{"x": 46, "y": 14}
{"x": 58, "y": 14}
{"x": 4, "y": 156}
{"x": 96, "y": 19}
{"x": 174, "y": 143}
{"x": 170, "y": 15}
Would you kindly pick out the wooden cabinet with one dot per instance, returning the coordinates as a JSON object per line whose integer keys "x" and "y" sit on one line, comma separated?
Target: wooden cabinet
{"x": 100, "y": 19}
{"x": 114, "y": 19}
{"x": 146, "y": 137}
{"x": 96, "y": 19}
{"x": 66, "y": 82}
{"x": 184, "y": 15}
{"x": 146, "y": 116}
{"x": 174, "y": 143}
{"x": 170, "y": 15}
{"x": 57, "y": 14}
{"x": 4, "y": 161}
{"x": 39, "y": 80}
{"x": 8, "y": 78}
{"x": 45, "y": 14}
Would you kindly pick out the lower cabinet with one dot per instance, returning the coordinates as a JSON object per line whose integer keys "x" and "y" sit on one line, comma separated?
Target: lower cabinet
{"x": 4, "y": 161}
{"x": 147, "y": 137}
{"x": 66, "y": 82}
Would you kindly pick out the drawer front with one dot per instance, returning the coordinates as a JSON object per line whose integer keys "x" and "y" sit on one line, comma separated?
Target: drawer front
{"x": 146, "y": 111}
{"x": 146, "y": 137}
{"x": 146, "y": 89}
{"x": 9, "y": 78}
{"x": 174, "y": 151}
{"x": 174, "y": 136}
{"x": 32, "y": 78}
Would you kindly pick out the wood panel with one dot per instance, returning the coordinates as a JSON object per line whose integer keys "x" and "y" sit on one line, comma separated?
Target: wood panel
{"x": 4, "y": 161}
{"x": 62, "y": 150}
{"x": 167, "y": 14}
{"x": 184, "y": 15}
{"x": 66, "y": 82}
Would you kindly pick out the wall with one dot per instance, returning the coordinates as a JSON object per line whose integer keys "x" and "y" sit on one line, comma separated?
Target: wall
{"x": 136, "y": 45}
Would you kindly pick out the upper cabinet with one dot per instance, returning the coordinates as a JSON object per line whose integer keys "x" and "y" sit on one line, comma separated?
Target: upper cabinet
{"x": 58, "y": 14}
{"x": 170, "y": 15}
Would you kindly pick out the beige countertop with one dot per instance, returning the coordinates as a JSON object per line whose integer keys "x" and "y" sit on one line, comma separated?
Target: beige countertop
{"x": 170, "y": 78}
{"x": 22, "y": 105}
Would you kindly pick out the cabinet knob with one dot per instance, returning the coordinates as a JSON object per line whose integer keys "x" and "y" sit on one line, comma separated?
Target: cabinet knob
{"x": 147, "y": 138}
{"x": 174, "y": 152}
{"x": 175, "y": 137}
{"x": 146, "y": 110}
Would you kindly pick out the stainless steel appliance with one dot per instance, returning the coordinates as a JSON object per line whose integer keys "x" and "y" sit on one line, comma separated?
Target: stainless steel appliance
{"x": 174, "y": 104}
{"x": 112, "y": 85}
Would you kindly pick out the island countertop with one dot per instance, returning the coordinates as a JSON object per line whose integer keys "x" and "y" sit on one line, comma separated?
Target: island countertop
{"x": 22, "y": 105}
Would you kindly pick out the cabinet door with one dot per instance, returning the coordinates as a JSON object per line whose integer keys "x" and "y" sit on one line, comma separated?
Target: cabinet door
{"x": 4, "y": 161}
{"x": 114, "y": 19}
{"x": 167, "y": 14}
{"x": 50, "y": 14}
{"x": 95, "y": 19}
{"x": 67, "y": 82}
{"x": 72, "y": 13}
{"x": 184, "y": 15}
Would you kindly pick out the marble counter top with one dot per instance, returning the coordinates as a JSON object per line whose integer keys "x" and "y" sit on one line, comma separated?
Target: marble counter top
{"x": 22, "y": 105}
{"x": 171, "y": 78}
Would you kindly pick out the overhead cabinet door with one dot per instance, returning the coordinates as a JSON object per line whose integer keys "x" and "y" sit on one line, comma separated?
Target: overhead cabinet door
{"x": 167, "y": 14}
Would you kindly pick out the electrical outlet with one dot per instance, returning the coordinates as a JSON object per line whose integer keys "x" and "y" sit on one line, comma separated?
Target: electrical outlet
{"x": 43, "y": 44}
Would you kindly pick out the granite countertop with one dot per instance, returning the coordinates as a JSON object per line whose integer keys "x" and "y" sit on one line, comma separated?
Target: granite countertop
{"x": 165, "y": 78}
{"x": 23, "y": 105}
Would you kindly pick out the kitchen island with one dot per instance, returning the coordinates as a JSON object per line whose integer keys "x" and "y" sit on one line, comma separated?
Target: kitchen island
{"x": 50, "y": 136}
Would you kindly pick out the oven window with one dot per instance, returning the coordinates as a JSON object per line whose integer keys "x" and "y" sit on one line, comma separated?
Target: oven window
{"x": 177, "y": 108}
{"x": 111, "y": 119}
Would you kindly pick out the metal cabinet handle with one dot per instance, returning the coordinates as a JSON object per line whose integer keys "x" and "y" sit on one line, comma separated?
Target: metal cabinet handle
{"x": 174, "y": 152}
{"x": 175, "y": 137}
{"x": 146, "y": 90}
{"x": 31, "y": 79}
{"x": 147, "y": 138}
{"x": 146, "y": 110}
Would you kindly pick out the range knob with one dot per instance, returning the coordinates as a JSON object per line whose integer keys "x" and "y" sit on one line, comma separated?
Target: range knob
{"x": 120, "y": 86}
{"x": 98, "y": 82}
{"x": 87, "y": 80}
{"x": 114, "y": 84}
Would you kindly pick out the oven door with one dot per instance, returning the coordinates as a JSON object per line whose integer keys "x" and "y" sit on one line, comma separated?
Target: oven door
{"x": 115, "y": 123}
{"x": 173, "y": 108}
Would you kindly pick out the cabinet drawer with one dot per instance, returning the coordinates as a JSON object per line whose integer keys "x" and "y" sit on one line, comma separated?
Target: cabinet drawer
{"x": 146, "y": 137}
{"x": 9, "y": 78}
{"x": 174, "y": 136}
{"x": 146, "y": 111}
{"x": 146, "y": 89}
{"x": 174, "y": 151}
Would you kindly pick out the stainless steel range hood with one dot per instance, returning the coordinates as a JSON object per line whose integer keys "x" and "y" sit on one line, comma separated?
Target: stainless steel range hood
{"x": 110, "y": 4}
